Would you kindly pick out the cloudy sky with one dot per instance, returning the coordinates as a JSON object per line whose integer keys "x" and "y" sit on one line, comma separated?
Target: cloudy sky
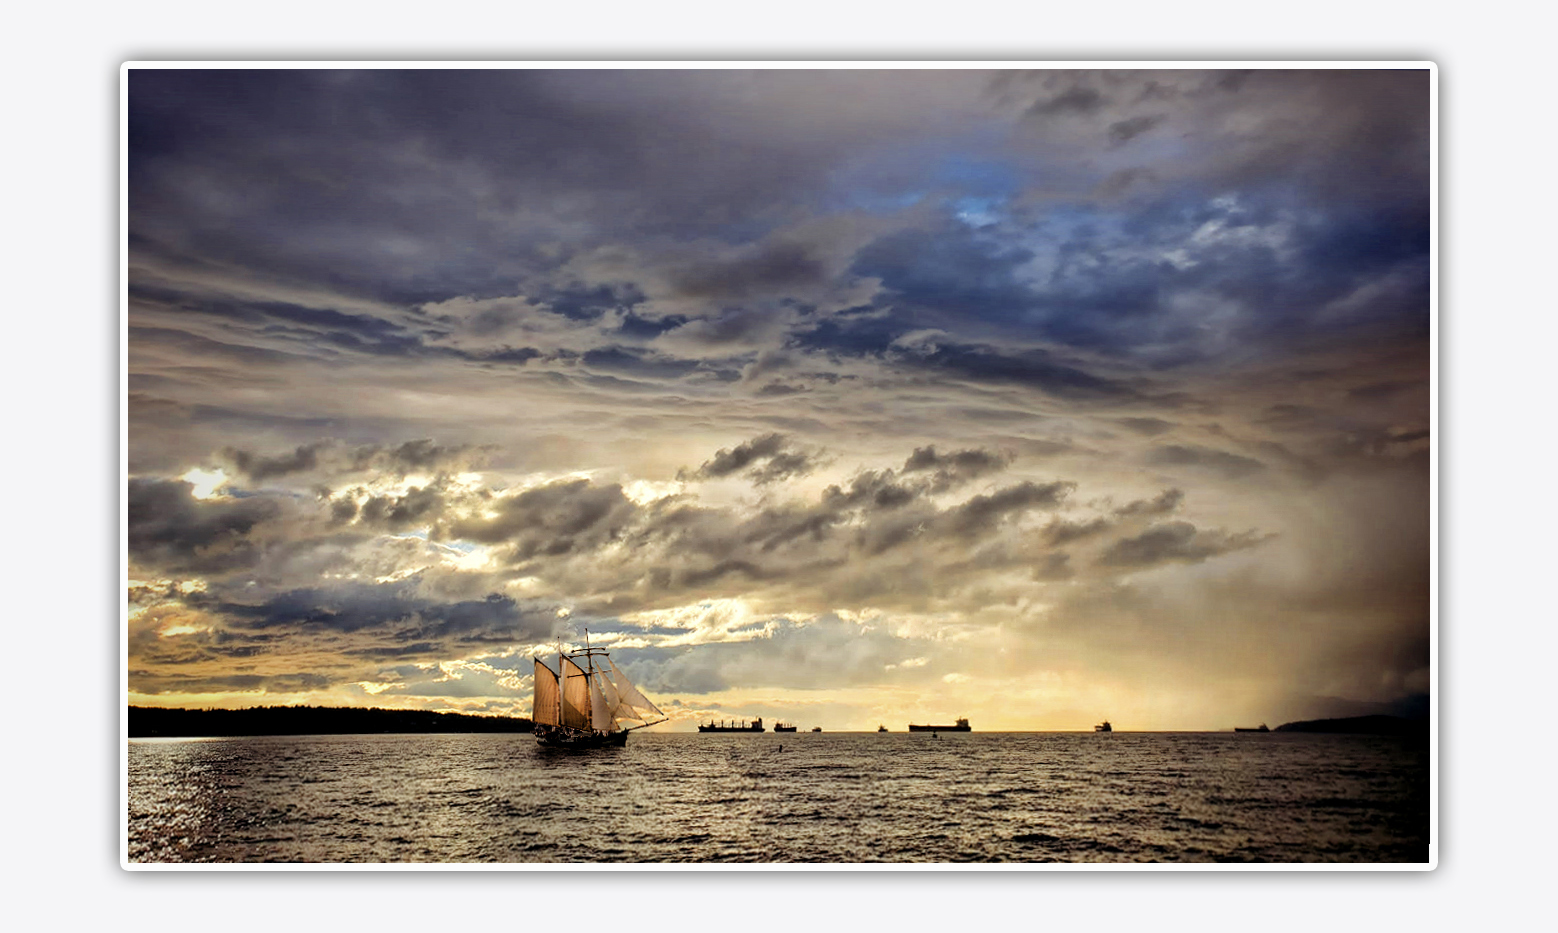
{"x": 837, "y": 397}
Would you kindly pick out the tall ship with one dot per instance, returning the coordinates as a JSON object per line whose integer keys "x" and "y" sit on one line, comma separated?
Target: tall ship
{"x": 592, "y": 704}
{"x": 962, "y": 726}
{"x": 755, "y": 725}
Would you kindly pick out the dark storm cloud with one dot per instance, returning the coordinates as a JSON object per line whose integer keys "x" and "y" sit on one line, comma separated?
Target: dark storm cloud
{"x": 551, "y": 520}
{"x": 260, "y": 468}
{"x": 1076, "y": 100}
{"x": 1230, "y": 465}
{"x": 414, "y": 508}
{"x": 1148, "y": 426}
{"x": 1165, "y": 502}
{"x": 1033, "y": 368}
{"x": 413, "y": 186}
{"x": 1124, "y": 131}
{"x": 766, "y": 459}
{"x": 772, "y": 266}
{"x": 1179, "y": 542}
{"x": 1287, "y": 416}
{"x": 395, "y": 608}
{"x": 580, "y": 302}
{"x": 1382, "y": 390}
{"x": 636, "y": 363}
{"x": 359, "y": 181}
{"x": 946, "y": 271}
{"x": 332, "y": 457}
{"x": 981, "y": 512}
{"x": 1063, "y": 532}
{"x": 168, "y": 527}
{"x": 954, "y": 469}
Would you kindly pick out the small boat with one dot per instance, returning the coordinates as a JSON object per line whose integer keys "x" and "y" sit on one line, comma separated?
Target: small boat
{"x": 962, "y": 726}
{"x": 588, "y": 705}
{"x": 881, "y": 728}
{"x": 1103, "y": 727}
{"x": 784, "y": 727}
{"x": 1261, "y": 729}
{"x": 816, "y": 728}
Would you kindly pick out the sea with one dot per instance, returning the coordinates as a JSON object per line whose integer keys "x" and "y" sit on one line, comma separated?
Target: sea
{"x": 781, "y": 799}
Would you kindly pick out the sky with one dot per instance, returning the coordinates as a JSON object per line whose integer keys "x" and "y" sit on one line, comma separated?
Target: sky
{"x": 838, "y": 397}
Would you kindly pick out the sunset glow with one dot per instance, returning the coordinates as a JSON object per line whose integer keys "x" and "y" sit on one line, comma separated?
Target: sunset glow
{"x": 1036, "y": 398}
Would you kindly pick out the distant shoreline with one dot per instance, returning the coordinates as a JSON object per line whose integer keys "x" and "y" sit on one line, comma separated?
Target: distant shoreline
{"x": 148, "y": 722}
{"x": 1360, "y": 725}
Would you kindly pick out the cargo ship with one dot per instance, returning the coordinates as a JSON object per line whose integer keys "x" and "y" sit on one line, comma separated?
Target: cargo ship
{"x": 782, "y": 727}
{"x": 962, "y": 726}
{"x": 1242, "y": 729}
{"x": 1103, "y": 727}
{"x": 755, "y": 725}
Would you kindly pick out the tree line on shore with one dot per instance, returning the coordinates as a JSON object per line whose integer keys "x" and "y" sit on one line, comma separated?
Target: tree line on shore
{"x": 158, "y": 722}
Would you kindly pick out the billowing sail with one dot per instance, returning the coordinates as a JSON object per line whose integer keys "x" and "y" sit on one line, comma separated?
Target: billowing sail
{"x": 600, "y": 712}
{"x": 576, "y": 696}
{"x": 630, "y": 697}
{"x": 545, "y": 711}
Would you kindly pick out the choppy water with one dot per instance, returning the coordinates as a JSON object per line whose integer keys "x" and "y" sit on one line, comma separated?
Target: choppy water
{"x": 829, "y": 797}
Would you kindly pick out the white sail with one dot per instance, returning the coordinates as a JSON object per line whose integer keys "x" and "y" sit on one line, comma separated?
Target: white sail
{"x": 600, "y": 712}
{"x": 576, "y": 696}
{"x": 630, "y": 697}
{"x": 545, "y": 709}
{"x": 615, "y": 710}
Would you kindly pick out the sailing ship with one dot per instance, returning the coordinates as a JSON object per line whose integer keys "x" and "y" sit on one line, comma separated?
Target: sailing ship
{"x": 588, "y": 706}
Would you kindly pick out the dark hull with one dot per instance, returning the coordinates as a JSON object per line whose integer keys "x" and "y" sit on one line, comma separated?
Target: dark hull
{"x": 731, "y": 729}
{"x": 1261, "y": 729}
{"x": 784, "y": 728}
{"x": 914, "y": 728}
{"x": 559, "y": 737}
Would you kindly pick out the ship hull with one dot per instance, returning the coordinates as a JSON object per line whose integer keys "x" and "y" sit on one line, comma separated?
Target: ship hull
{"x": 784, "y": 728}
{"x": 560, "y": 737}
{"x": 730, "y": 729}
{"x": 914, "y": 728}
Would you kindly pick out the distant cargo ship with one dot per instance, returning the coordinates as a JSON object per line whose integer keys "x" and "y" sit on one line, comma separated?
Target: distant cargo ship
{"x": 1103, "y": 727}
{"x": 1261, "y": 729}
{"x": 782, "y": 727}
{"x": 881, "y": 728}
{"x": 962, "y": 726}
{"x": 755, "y": 725}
